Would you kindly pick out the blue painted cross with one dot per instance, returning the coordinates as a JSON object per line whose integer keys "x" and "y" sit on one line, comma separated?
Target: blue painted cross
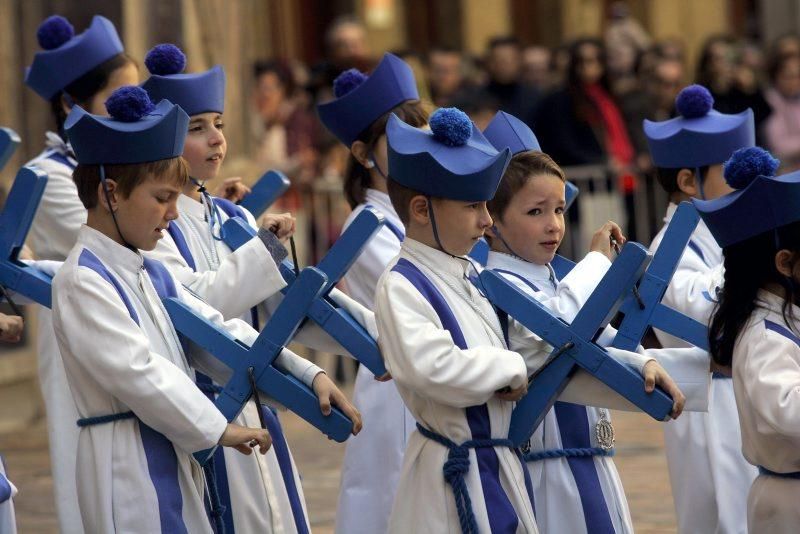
{"x": 333, "y": 319}
{"x": 264, "y": 192}
{"x": 574, "y": 343}
{"x": 648, "y": 310}
{"x": 256, "y": 362}
{"x": 15, "y": 221}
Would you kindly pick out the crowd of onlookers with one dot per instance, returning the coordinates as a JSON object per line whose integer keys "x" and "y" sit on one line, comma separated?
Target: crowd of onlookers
{"x": 585, "y": 100}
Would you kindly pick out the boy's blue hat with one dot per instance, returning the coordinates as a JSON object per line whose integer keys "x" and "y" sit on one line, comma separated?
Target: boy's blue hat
{"x": 700, "y": 135}
{"x": 196, "y": 93}
{"x": 66, "y": 57}
{"x": 506, "y": 130}
{"x": 361, "y": 99}
{"x": 453, "y": 160}
{"x": 136, "y": 132}
{"x": 761, "y": 202}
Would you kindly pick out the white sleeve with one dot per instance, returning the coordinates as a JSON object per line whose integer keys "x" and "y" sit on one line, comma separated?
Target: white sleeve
{"x": 692, "y": 286}
{"x": 422, "y": 357}
{"x": 362, "y": 278}
{"x": 244, "y": 278}
{"x": 60, "y": 213}
{"x": 99, "y": 339}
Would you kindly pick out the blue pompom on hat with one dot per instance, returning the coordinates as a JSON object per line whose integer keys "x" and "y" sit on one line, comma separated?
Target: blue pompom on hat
{"x": 66, "y": 57}
{"x": 761, "y": 202}
{"x": 700, "y": 136}
{"x": 202, "y": 92}
{"x": 136, "y": 132}
{"x": 442, "y": 162}
{"x": 360, "y": 102}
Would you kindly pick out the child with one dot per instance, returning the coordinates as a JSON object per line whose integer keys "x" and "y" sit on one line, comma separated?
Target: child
{"x": 142, "y": 415}
{"x": 709, "y": 475}
{"x": 358, "y": 118}
{"x": 444, "y": 345}
{"x": 71, "y": 69}
{"x": 10, "y": 332}
{"x": 262, "y": 494}
{"x": 576, "y": 486}
{"x": 755, "y": 328}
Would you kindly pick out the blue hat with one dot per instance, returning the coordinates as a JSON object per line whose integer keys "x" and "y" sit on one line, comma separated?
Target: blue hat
{"x": 505, "y": 130}
{"x": 453, "y": 160}
{"x": 761, "y": 202}
{"x": 361, "y": 100}
{"x": 66, "y": 57}
{"x": 197, "y": 93}
{"x": 136, "y": 132}
{"x": 700, "y": 135}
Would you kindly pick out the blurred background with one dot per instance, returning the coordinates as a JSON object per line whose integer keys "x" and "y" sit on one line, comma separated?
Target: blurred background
{"x": 526, "y": 57}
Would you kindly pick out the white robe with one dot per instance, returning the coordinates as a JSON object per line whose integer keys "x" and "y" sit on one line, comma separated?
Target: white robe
{"x": 439, "y": 381}
{"x": 115, "y": 365}
{"x": 373, "y": 458}
{"x": 710, "y": 478}
{"x": 8, "y": 523}
{"x": 52, "y": 235}
{"x": 766, "y": 380}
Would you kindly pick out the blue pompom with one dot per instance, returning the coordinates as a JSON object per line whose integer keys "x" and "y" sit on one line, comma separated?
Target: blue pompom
{"x": 694, "y": 101}
{"x": 347, "y": 81}
{"x": 450, "y": 126}
{"x": 54, "y": 32}
{"x": 165, "y": 59}
{"x": 748, "y": 163}
{"x": 129, "y": 104}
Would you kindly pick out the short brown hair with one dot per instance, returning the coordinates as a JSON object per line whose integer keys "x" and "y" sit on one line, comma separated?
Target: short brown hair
{"x": 401, "y": 196}
{"x": 522, "y": 168}
{"x": 127, "y": 177}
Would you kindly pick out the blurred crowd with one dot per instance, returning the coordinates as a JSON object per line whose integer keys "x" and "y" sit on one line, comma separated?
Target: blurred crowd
{"x": 585, "y": 100}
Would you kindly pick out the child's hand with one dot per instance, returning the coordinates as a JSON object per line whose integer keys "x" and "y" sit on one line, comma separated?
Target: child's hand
{"x": 512, "y": 395}
{"x": 244, "y": 439}
{"x": 280, "y": 224}
{"x": 11, "y": 328}
{"x": 232, "y": 189}
{"x": 655, "y": 375}
{"x": 329, "y": 395}
{"x": 601, "y": 240}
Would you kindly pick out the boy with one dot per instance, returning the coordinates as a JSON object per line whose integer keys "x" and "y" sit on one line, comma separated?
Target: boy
{"x": 444, "y": 344}
{"x": 142, "y": 415}
{"x": 710, "y": 477}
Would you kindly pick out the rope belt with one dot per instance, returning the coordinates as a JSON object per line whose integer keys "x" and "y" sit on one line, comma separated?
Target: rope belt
{"x": 583, "y": 452}
{"x": 456, "y": 467}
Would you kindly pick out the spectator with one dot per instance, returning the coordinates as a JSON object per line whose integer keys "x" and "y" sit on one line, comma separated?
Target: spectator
{"x": 536, "y": 68}
{"x": 782, "y": 127}
{"x": 504, "y": 66}
{"x": 345, "y": 47}
{"x": 445, "y": 75}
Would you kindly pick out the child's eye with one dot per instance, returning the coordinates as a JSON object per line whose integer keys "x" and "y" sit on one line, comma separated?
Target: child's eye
{"x": 220, "y": 125}
{"x": 474, "y": 206}
{"x": 559, "y": 210}
{"x": 535, "y": 211}
{"x": 196, "y": 129}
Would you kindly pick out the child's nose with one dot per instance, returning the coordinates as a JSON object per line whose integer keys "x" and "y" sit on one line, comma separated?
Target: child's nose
{"x": 485, "y": 219}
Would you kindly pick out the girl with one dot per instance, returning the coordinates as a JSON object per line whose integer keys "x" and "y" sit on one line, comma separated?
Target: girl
{"x": 84, "y": 70}
{"x": 358, "y": 117}
{"x": 259, "y": 494}
{"x": 755, "y": 327}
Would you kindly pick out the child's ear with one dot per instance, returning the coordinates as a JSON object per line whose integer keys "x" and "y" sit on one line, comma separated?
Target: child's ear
{"x": 784, "y": 261}
{"x": 687, "y": 182}
{"x": 360, "y": 151}
{"x": 103, "y": 200}
{"x": 418, "y": 210}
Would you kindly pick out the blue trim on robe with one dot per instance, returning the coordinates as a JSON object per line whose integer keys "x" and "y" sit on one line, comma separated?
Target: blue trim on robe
{"x": 88, "y": 259}
{"x": 697, "y": 250}
{"x": 518, "y": 277}
{"x": 5, "y": 488}
{"x": 229, "y": 208}
{"x": 501, "y": 513}
{"x": 398, "y": 233}
{"x": 782, "y": 330}
{"x": 183, "y": 247}
{"x": 61, "y": 158}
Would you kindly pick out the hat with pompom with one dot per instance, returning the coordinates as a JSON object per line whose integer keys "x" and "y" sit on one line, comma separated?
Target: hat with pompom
{"x": 137, "y": 131}
{"x": 65, "y": 57}
{"x": 196, "y": 93}
{"x": 761, "y": 201}
{"x": 361, "y": 99}
{"x": 452, "y": 160}
{"x": 699, "y": 136}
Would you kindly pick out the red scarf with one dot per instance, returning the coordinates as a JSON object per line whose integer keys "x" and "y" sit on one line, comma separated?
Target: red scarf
{"x": 618, "y": 143}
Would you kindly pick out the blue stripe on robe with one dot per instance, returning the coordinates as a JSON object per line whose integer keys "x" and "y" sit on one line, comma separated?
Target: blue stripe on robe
{"x": 782, "y": 330}
{"x": 501, "y": 514}
{"x": 398, "y": 233}
{"x": 697, "y": 250}
{"x": 88, "y": 259}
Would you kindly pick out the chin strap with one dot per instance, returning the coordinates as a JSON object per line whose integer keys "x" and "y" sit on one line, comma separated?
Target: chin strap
{"x": 377, "y": 167}
{"x": 111, "y": 209}
{"x": 496, "y": 231}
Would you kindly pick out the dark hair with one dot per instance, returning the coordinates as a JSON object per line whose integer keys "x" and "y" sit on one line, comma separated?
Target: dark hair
{"x": 668, "y": 177}
{"x": 776, "y": 65}
{"x": 84, "y": 88}
{"x": 401, "y": 196}
{"x": 573, "y": 78}
{"x": 127, "y": 177}
{"x": 504, "y": 40}
{"x": 523, "y": 167}
{"x": 703, "y": 75}
{"x": 279, "y": 68}
{"x": 357, "y": 178}
{"x": 749, "y": 266}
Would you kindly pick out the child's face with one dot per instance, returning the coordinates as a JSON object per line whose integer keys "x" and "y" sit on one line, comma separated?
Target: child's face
{"x": 714, "y": 184}
{"x": 146, "y": 213}
{"x": 533, "y": 223}
{"x": 460, "y": 224}
{"x": 205, "y": 146}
